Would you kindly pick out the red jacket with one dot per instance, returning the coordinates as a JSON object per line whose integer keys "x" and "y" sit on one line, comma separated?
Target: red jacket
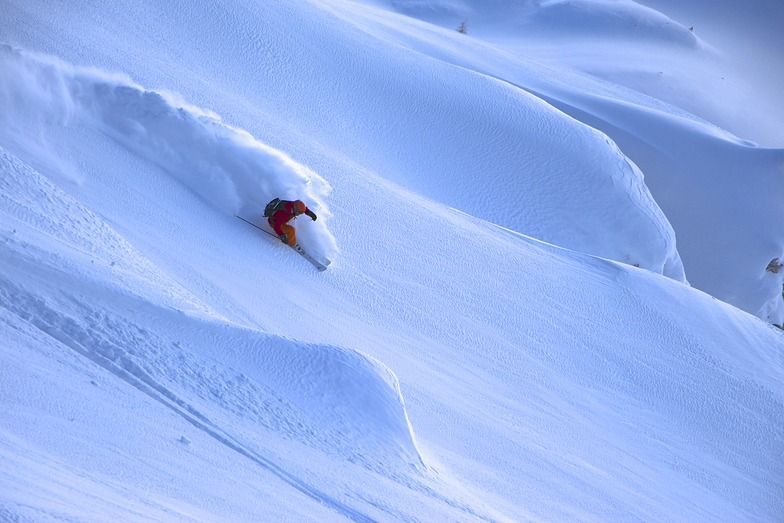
{"x": 286, "y": 212}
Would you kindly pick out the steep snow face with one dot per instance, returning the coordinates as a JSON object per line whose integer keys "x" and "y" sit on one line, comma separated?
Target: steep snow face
{"x": 501, "y": 373}
{"x": 716, "y": 189}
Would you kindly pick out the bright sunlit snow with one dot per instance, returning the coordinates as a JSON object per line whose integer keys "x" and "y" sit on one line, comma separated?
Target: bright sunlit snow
{"x": 557, "y": 261}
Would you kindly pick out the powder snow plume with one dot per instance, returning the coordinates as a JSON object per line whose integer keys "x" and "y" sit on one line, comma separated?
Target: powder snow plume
{"x": 225, "y": 166}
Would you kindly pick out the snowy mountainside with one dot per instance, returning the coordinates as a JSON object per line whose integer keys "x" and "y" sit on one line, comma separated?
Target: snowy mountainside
{"x": 717, "y": 190}
{"x": 85, "y": 299}
{"x": 163, "y": 361}
{"x": 746, "y": 71}
{"x": 512, "y": 168}
{"x": 214, "y": 377}
{"x": 668, "y": 49}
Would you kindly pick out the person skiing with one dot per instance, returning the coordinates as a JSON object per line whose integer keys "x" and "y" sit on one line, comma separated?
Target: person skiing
{"x": 280, "y": 212}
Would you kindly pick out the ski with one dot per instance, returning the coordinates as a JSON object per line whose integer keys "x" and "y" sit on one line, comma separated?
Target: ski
{"x": 317, "y": 264}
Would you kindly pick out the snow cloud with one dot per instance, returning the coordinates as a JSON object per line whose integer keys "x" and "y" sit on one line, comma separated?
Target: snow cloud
{"x": 225, "y": 166}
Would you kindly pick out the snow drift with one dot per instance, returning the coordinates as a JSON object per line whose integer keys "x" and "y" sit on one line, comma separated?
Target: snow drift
{"x": 70, "y": 276}
{"x": 724, "y": 203}
{"x": 226, "y": 166}
{"x": 720, "y": 193}
{"x": 505, "y": 156}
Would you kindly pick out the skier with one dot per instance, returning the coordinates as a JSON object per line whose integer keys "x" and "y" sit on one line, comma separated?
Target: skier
{"x": 280, "y": 212}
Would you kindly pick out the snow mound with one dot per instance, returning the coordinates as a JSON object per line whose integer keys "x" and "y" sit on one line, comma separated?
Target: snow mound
{"x": 723, "y": 202}
{"x": 485, "y": 146}
{"x": 348, "y": 403}
{"x": 328, "y": 398}
{"x": 225, "y": 166}
{"x": 77, "y": 281}
{"x": 720, "y": 193}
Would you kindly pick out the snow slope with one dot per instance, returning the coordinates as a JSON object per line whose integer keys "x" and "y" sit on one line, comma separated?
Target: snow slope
{"x": 161, "y": 360}
{"x": 506, "y": 170}
{"x": 693, "y": 55}
{"x": 746, "y": 65}
{"x": 79, "y": 290}
{"x": 718, "y": 191}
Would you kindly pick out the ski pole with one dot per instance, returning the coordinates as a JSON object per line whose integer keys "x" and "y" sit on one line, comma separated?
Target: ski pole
{"x": 254, "y": 225}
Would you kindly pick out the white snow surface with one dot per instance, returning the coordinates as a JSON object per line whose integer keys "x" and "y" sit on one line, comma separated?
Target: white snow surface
{"x": 507, "y": 331}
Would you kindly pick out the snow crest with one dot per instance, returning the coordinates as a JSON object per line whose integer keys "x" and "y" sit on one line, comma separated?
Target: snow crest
{"x": 225, "y": 166}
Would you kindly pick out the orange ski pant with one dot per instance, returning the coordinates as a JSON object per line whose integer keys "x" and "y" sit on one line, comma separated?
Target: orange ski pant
{"x": 291, "y": 234}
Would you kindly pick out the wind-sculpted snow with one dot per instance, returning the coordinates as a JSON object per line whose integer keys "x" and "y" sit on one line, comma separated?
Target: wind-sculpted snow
{"x": 344, "y": 397}
{"x": 721, "y": 194}
{"x": 70, "y": 286}
{"x": 226, "y": 166}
